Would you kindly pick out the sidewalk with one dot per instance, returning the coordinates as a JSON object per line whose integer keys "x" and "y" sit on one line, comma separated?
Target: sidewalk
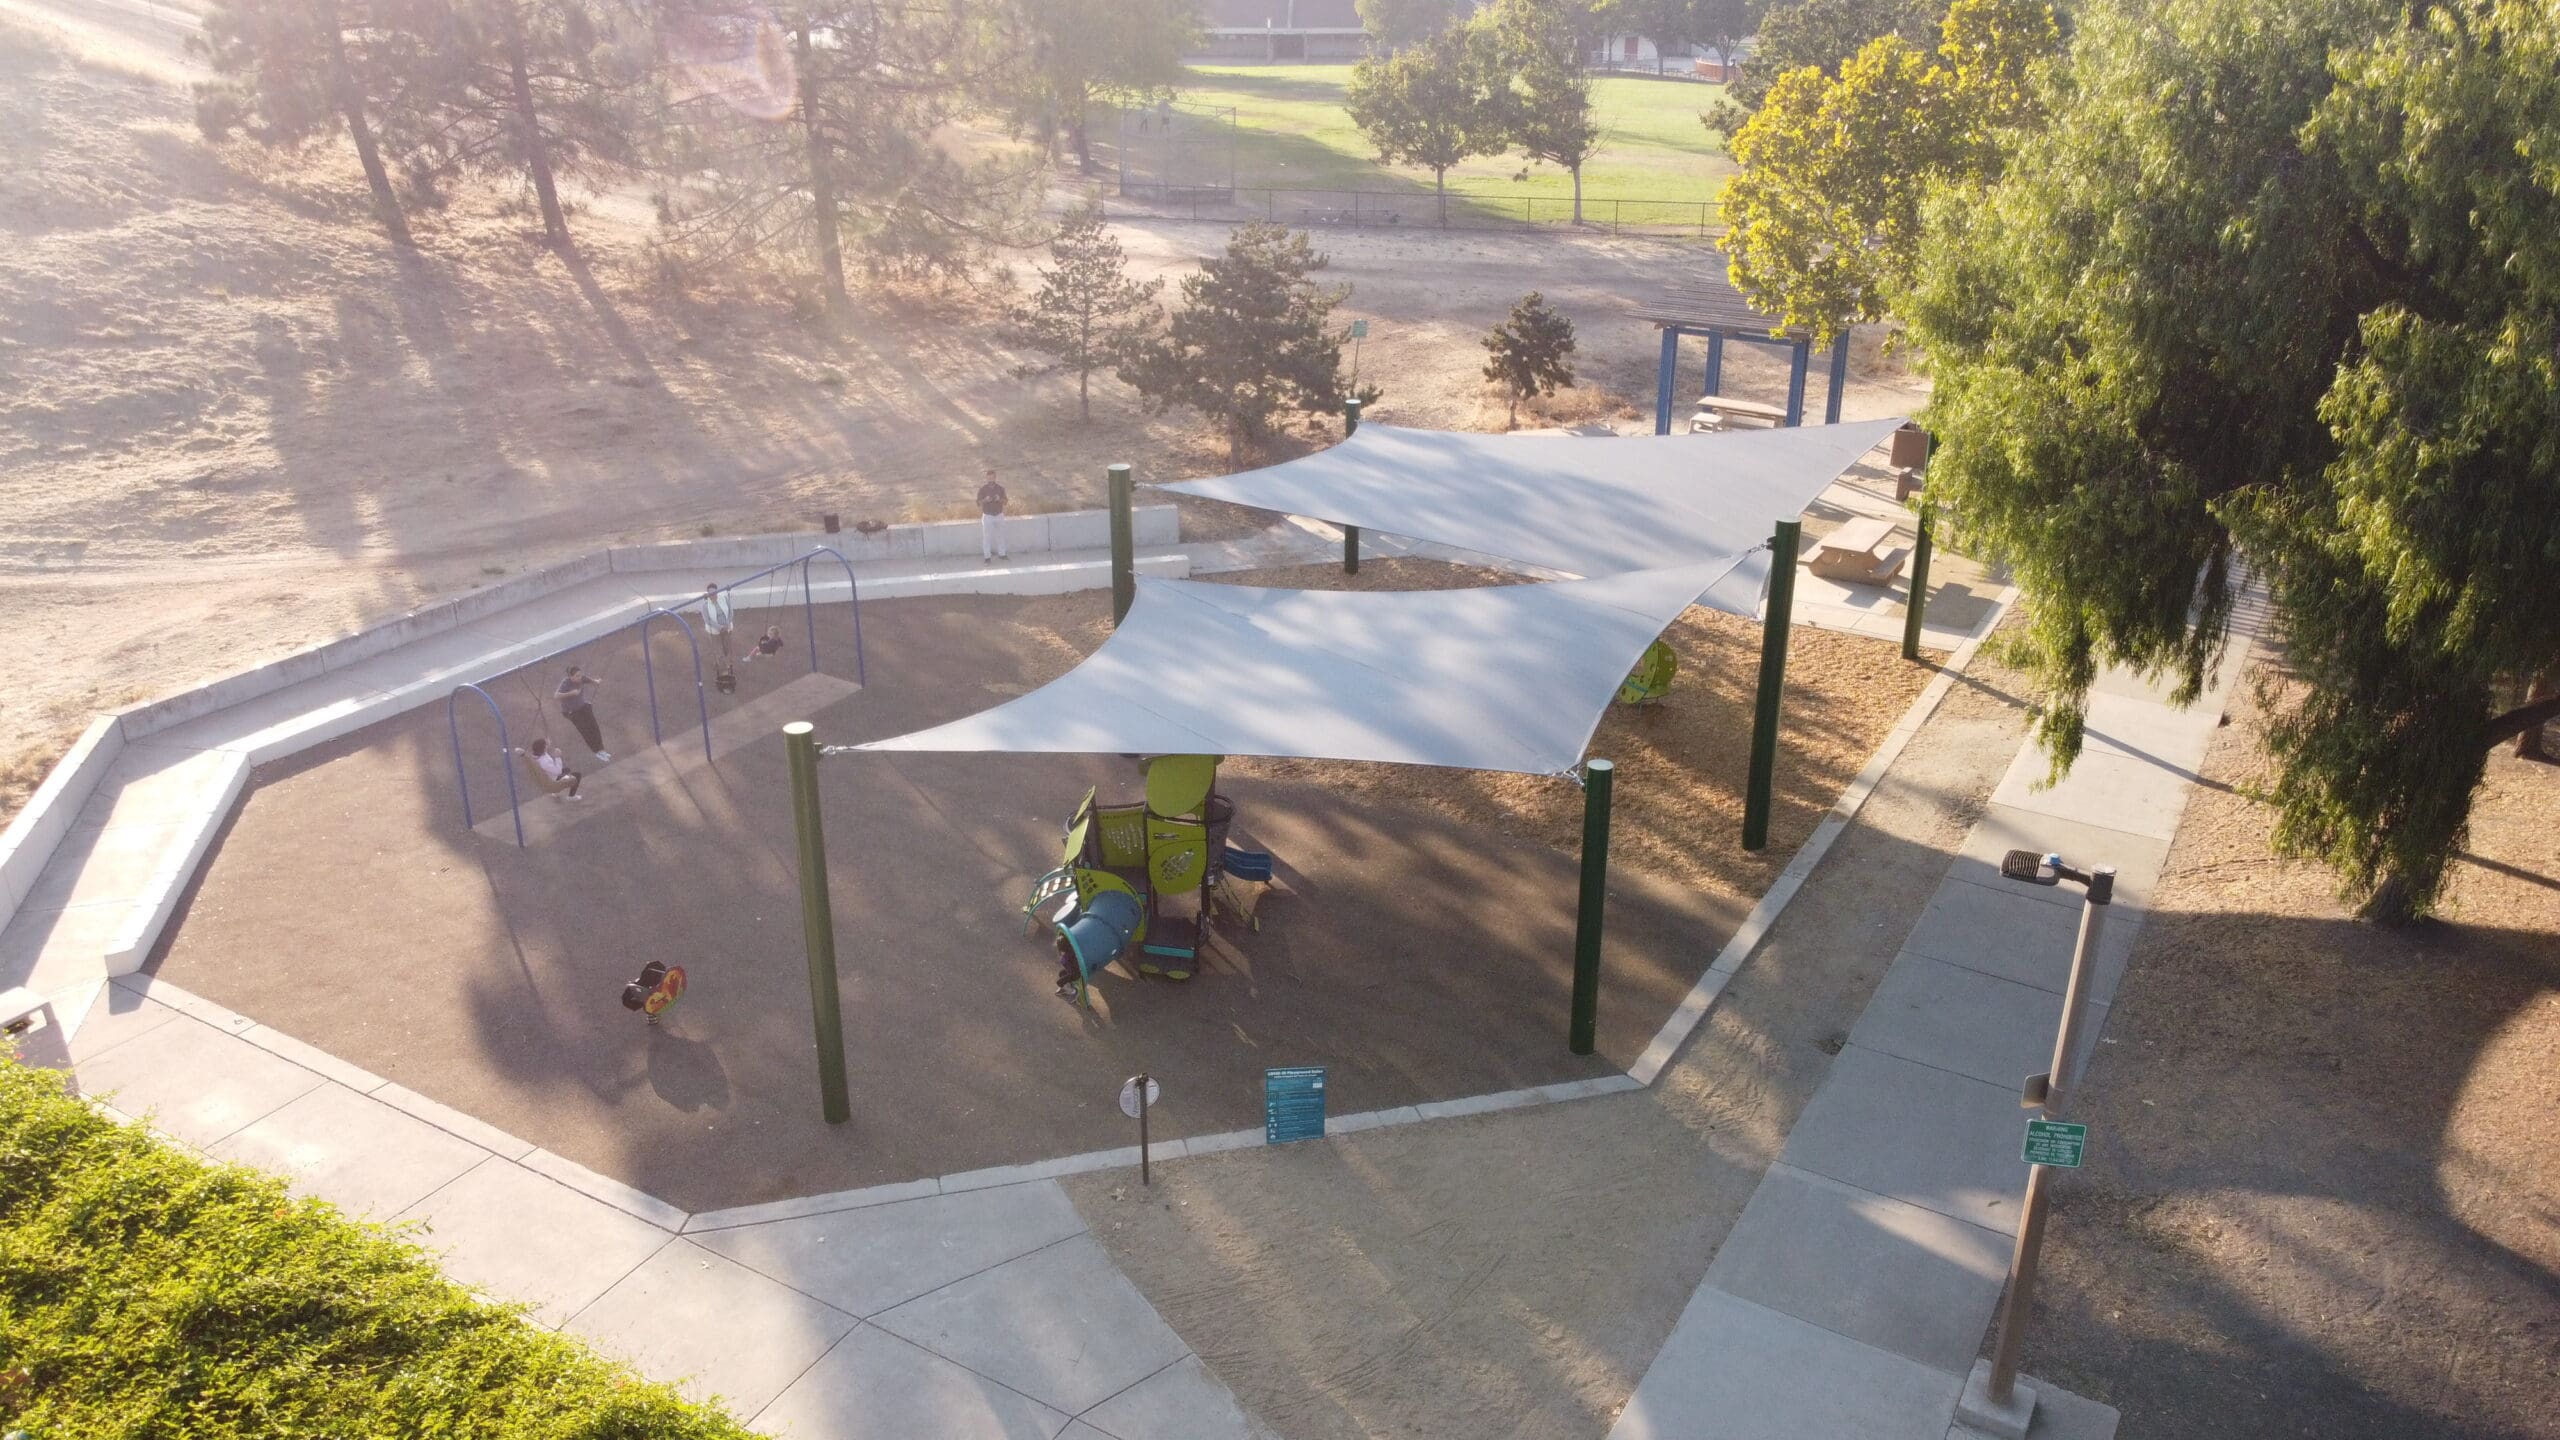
{"x": 1851, "y": 1298}
{"x": 984, "y": 1314}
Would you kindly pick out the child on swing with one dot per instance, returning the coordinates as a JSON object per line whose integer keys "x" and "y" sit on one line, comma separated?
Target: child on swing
{"x": 551, "y": 772}
{"x": 771, "y": 644}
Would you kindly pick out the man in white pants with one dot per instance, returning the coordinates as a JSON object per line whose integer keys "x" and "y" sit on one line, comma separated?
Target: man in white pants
{"x": 991, "y": 498}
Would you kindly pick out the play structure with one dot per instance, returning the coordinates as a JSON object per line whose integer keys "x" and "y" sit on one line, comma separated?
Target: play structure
{"x": 772, "y": 588}
{"x": 1651, "y": 679}
{"x": 1122, "y": 866}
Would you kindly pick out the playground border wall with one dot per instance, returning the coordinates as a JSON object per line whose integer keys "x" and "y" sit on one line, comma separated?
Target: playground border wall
{"x": 37, "y": 831}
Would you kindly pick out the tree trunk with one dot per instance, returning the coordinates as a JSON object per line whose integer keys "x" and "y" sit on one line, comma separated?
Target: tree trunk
{"x": 2543, "y": 707}
{"x": 1577, "y": 193}
{"x": 2529, "y": 739}
{"x": 342, "y": 85}
{"x": 1440, "y": 183}
{"x": 822, "y": 187}
{"x": 2388, "y": 905}
{"x": 1084, "y": 144}
{"x": 537, "y": 150}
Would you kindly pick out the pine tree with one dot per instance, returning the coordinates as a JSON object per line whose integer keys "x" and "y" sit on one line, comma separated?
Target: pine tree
{"x": 820, "y": 127}
{"x": 289, "y": 71}
{"x": 1532, "y": 351}
{"x": 1250, "y": 340}
{"x": 1088, "y": 312}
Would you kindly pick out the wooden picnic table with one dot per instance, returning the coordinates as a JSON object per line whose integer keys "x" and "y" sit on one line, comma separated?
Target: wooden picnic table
{"x": 1726, "y": 409}
{"x": 1856, "y": 551}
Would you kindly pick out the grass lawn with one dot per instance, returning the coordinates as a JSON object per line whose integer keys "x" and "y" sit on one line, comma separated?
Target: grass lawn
{"x": 146, "y": 1293}
{"x": 1292, "y": 133}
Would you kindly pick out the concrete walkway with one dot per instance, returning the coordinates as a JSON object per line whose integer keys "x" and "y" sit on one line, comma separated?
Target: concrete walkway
{"x": 1852, "y": 1297}
{"x": 980, "y": 1314}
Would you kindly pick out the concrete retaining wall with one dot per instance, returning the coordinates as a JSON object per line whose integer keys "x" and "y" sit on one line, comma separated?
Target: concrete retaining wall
{"x": 33, "y": 833}
{"x": 379, "y": 638}
{"x": 1155, "y": 526}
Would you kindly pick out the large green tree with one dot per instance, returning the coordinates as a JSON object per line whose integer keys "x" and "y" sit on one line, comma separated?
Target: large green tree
{"x": 1822, "y": 34}
{"x": 1540, "y": 89}
{"x": 1251, "y": 339}
{"x": 1394, "y": 24}
{"x": 1080, "y": 54}
{"x": 1432, "y": 105}
{"x": 2276, "y": 292}
{"x": 1825, "y": 217}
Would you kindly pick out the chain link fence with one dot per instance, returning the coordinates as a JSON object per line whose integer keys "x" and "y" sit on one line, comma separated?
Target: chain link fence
{"x": 1419, "y": 210}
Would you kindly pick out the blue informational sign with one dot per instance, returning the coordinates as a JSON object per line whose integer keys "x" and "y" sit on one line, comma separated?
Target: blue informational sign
{"x": 1293, "y": 1104}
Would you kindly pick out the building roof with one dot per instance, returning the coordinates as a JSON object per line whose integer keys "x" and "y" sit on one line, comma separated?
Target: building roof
{"x": 1282, "y": 14}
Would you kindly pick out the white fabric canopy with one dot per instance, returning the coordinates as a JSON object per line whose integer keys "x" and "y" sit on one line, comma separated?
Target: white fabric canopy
{"x": 1507, "y": 677}
{"x": 1585, "y": 505}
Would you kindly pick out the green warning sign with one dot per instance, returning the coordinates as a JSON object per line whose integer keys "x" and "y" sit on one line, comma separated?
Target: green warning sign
{"x": 2055, "y": 1142}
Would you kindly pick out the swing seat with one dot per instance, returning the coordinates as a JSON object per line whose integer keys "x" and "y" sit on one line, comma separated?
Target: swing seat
{"x": 1651, "y": 679}
{"x": 535, "y": 774}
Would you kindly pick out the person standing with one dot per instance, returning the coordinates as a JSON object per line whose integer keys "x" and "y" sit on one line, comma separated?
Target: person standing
{"x": 572, "y": 697}
{"x": 719, "y": 616}
{"x": 991, "y": 498}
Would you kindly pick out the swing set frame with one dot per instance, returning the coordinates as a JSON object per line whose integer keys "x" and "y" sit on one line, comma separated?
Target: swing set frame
{"x": 506, "y": 749}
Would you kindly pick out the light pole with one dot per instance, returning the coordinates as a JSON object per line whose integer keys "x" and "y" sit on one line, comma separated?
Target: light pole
{"x": 1993, "y": 1400}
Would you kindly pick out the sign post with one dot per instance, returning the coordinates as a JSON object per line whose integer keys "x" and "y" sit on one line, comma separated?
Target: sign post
{"x": 1137, "y": 1093}
{"x": 1292, "y": 1104}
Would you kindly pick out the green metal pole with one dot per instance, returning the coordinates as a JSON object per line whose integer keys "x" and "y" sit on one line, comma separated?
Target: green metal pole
{"x": 1919, "y": 588}
{"x": 1596, "y": 778}
{"x": 817, "y": 920}
{"x": 1124, "y": 546}
{"x": 1350, "y": 533}
{"x": 1773, "y": 683}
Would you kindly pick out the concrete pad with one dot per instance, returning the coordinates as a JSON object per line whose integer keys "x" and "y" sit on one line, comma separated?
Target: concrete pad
{"x": 43, "y": 949}
{"x": 729, "y": 1332}
{"x": 1997, "y": 1031}
{"x": 2131, "y": 795}
{"x": 116, "y": 1016}
{"x": 875, "y": 1386}
{"x": 1061, "y": 1325}
{"x": 314, "y": 1059}
{"x": 2150, "y": 732}
{"x": 444, "y": 1117}
{"x": 110, "y": 864}
{"x": 827, "y": 1204}
{"x": 1182, "y": 1401}
{"x": 2007, "y": 929}
{"x": 297, "y": 706}
{"x": 520, "y": 1237}
{"x": 1892, "y": 1275}
{"x": 2082, "y": 843}
{"x": 865, "y": 1261}
{"x": 628, "y": 1199}
{"x": 1733, "y": 1370}
{"x": 156, "y": 784}
{"x": 360, "y": 1155}
{"x": 195, "y": 1082}
{"x": 2060, "y": 1415}
{"x": 1941, "y": 1141}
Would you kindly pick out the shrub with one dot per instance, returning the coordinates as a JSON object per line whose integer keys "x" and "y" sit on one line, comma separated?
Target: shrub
{"x": 147, "y": 1293}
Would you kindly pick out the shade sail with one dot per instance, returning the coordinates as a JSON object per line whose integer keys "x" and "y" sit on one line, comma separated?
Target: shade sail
{"x": 1508, "y": 677}
{"x": 1585, "y": 505}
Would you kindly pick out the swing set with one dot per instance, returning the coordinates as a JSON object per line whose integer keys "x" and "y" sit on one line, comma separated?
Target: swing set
{"x": 775, "y": 590}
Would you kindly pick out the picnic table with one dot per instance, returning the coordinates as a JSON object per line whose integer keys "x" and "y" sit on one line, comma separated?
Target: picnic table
{"x": 1859, "y": 552}
{"x": 1723, "y": 412}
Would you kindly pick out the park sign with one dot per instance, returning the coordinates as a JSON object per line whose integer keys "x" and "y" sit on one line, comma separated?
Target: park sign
{"x": 1292, "y": 1104}
{"x": 2055, "y": 1142}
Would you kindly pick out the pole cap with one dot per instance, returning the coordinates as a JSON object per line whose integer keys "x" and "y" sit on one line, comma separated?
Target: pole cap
{"x": 799, "y": 727}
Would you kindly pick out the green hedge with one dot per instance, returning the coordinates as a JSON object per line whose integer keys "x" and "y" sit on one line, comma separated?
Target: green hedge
{"x": 147, "y": 1293}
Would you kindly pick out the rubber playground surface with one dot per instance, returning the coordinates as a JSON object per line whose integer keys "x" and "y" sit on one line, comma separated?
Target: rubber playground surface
{"x": 348, "y": 906}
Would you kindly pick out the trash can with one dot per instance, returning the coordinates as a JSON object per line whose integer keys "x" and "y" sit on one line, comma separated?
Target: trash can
{"x": 30, "y": 1028}
{"x": 1910, "y": 448}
